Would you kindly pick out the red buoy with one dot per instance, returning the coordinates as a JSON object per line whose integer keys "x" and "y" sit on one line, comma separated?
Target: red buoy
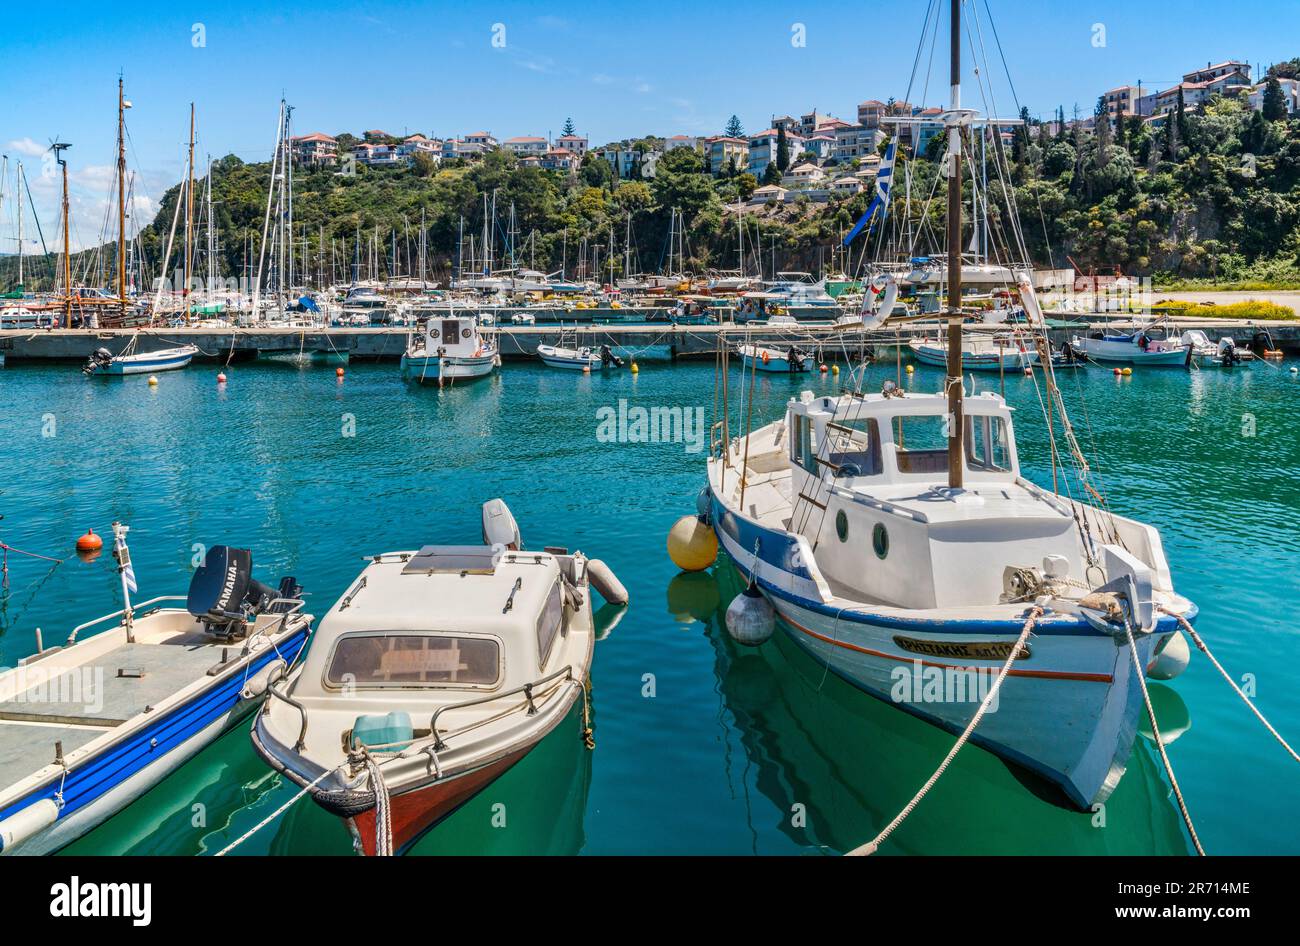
{"x": 221, "y": 378}
{"x": 90, "y": 542}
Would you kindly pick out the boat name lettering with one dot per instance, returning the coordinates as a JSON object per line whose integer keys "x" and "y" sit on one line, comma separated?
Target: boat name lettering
{"x": 972, "y": 650}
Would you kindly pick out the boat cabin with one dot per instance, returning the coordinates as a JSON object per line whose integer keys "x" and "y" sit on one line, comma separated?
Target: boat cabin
{"x": 452, "y": 336}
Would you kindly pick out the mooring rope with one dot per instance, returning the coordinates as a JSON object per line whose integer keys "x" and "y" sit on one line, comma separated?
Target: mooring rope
{"x": 1196, "y": 639}
{"x": 272, "y": 816}
{"x": 383, "y": 809}
{"x": 874, "y": 845}
{"x": 1140, "y": 672}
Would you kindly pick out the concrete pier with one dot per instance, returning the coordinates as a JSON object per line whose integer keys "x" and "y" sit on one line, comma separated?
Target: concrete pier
{"x": 656, "y": 340}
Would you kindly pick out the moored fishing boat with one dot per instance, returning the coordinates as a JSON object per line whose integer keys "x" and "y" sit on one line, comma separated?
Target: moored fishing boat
{"x": 449, "y": 349}
{"x": 104, "y": 362}
{"x": 1000, "y": 353}
{"x": 777, "y": 360}
{"x": 434, "y": 674}
{"x": 588, "y": 357}
{"x": 1149, "y": 346}
{"x": 88, "y": 727}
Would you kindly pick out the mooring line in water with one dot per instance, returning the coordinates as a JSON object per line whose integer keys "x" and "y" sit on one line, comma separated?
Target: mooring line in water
{"x": 1196, "y": 639}
{"x": 272, "y": 816}
{"x": 1140, "y": 672}
{"x": 874, "y": 845}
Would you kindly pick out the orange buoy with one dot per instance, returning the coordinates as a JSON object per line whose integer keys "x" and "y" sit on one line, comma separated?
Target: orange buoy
{"x": 90, "y": 542}
{"x": 339, "y": 372}
{"x": 221, "y": 378}
{"x": 824, "y": 369}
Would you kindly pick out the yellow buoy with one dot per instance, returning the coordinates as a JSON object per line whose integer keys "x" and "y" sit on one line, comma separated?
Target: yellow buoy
{"x": 910, "y": 369}
{"x": 1127, "y": 372}
{"x": 152, "y": 380}
{"x": 835, "y": 369}
{"x": 692, "y": 545}
{"x": 635, "y": 368}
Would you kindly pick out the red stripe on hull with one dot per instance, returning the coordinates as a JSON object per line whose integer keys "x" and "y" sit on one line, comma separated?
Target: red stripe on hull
{"x": 418, "y": 810}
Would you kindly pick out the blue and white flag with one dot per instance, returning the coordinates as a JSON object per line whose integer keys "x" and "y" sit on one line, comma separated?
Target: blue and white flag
{"x": 880, "y": 202}
{"x": 123, "y": 556}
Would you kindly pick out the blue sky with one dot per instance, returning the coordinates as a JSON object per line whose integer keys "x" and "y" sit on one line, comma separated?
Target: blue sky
{"x": 618, "y": 69}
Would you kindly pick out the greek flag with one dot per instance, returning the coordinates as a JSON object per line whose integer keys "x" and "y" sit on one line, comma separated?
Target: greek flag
{"x": 123, "y": 556}
{"x": 881, "y": 201}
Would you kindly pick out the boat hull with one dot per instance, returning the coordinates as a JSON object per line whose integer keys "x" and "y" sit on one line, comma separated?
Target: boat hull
{"x": 101, "y": 785}
{"x": 431, "y": 369}
{"x": 148, "y": 363}
{"x": 1127, "y": 353}
{"x": 1011, "y": 359}
{"x": 1067, "y": 713}
{"x": 779, "y": 365}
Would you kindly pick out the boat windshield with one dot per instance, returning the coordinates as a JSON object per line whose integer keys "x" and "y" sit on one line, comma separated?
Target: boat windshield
{"x": 412, "y": 659}
{"x": 921, "y": 444}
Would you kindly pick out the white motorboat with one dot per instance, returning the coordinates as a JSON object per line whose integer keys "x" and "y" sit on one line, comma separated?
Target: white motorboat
{"x": 436, "y": 672}
{"x": 1150, "y": 346}
{"x": 777, "y": 360}
{"x": 88, "y": 727}
{"x": 1000, "y": 352}
{"x": 104, "y": 362}
{"x": 449, "y": 349}
{"x": 1207, "y": 354}
{"x": 587, "y": 357}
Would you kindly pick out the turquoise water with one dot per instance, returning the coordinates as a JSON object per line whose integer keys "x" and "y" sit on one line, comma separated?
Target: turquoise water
{"x": 701, "y": 746}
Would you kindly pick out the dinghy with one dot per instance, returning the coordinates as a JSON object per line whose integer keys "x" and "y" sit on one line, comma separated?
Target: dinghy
{"x": 591, "y": 357}
{"x": 436, "y": 672}
{"x": 449, "y": 349}
{"x": 898, "y": 541}
{"x": 104, "y": 362}
{"x": 88, "y": 727}
{"x": 776, "y": 360}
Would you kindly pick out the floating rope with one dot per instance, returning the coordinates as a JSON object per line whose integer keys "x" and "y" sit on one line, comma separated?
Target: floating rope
{"x": 588, "y": 739}
{"x": 272, "y": 816}
{"x": 1140, "y": 672}
{"x": 1196, "y": 639}
{"x": 383, "y": 809}
{"x": 874, "y": 845}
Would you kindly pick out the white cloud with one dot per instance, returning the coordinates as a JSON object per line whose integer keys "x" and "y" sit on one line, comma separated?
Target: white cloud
{"x": 26, "y": 146}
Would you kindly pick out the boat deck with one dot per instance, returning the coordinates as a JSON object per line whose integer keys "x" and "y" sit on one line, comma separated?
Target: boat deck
{"x": 78, "y": 704}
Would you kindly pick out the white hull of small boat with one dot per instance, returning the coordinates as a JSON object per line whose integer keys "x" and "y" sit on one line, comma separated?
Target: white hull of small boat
{"x": 774, "y": 360}
{"x": 434, "y": 369}
{"x": 167, "y": 359}
{"x": 574, "y": 359}
{"x": 1123, "y": 350}
{"x": 438, "y": 671}
{"x": 985, "y": 357}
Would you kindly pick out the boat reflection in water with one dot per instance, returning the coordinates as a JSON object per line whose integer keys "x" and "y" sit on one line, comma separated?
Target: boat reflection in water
{"x": 852, "y": 761}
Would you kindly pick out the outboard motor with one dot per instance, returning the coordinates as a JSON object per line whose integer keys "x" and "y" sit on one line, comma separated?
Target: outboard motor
{"x": 608, "y": 358}
{"x": 99, "y": 359}
{"x": 1228, "y": 352}
{"x": 499, "y": 526}
{"x": 794, "y": 360}
{"x": 224, "y": 594}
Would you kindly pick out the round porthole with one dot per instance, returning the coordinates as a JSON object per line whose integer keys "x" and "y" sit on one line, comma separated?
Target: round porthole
{"x": 842, "y": 526}
{"x": 880, "y": 540}
{"x": 464, "y": 333}
{"x": 433, "y": 332}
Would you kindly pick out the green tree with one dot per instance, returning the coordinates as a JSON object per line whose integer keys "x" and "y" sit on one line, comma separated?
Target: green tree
{"x": 734, "y": 128}
{"x": 782, "y": 150}
{"x": 771, "y": 174}
{"x": 1274, "y": 105}
{"x": 568, "y": 128}
{"x": 746, "y": 183}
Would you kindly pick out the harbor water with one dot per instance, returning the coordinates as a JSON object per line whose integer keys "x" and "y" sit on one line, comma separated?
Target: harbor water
{"x": 702, "y": 746}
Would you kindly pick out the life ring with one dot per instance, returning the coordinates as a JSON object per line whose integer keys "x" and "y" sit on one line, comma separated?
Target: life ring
{"x": 766, "y": 357}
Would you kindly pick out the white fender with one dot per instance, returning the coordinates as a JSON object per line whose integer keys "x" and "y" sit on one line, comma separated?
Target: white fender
{"x": 26, "y": 823}
{"x": 255, "y": 687}
{"x": 1029, "y": 300}
{"x": 602, "y": 578}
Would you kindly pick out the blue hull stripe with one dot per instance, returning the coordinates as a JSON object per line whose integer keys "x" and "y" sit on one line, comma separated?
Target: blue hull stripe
{"x": 91, "y": 778}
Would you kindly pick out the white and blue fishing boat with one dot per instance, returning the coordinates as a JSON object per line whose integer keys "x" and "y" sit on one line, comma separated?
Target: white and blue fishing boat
{"x": 776, "y": 360}
{"x": 88, "y": 727}
{"x": 449, "y": 349}
{"x": 1149, "y": 347}
{"x": 898, "y": 541}
{"x": 586, "y": 357}
{"x": 104, "y": 362}
{"x": 999, "y": 353}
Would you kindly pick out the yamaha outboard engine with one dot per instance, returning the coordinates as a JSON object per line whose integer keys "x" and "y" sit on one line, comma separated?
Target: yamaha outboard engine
{"x": 100, "y": 358}
{"x": 224, "y": 595}
{"x": 1228, "y": 352}
{"x": 607, "y": 357}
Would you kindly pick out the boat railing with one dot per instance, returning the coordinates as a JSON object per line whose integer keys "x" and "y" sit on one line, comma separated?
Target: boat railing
{"x": 295, "y": 606}
{"x": 135, "y": 611}
{"x": 274, "y": 690}
{"x": 527, "y": 689}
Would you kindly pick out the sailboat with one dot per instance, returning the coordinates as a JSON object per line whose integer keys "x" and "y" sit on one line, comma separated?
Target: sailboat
{"x": 897, "y": 539}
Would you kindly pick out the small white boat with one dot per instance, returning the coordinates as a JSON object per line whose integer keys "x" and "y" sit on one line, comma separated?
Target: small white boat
{"x": 104, "y": 362}
{"x": 776, "y": 360}
{"x": 434, "y": 674}
{"x": 88, "y": 727}
{"x": 523, "y": 318}
{"x": 594, "y": 358}
{"x": 1148, "y": 347}
{"x": 1000, "y": 353}
{"x": 1207, "y": 354}
{"x": 449, "y": 349}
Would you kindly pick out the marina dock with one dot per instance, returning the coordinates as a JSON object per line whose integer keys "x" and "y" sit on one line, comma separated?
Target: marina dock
{"x": 655, "y": 340}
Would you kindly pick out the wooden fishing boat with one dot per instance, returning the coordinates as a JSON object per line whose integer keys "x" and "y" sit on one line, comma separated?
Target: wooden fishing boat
{"x": 88, "y": 727}
{"x": 435, "y": 673}
{"x": 449, "y": 349}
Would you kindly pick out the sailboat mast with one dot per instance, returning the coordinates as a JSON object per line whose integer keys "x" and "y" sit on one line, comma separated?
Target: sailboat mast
{"x": 189, "y": 218}
{"x": 121, "y": 196}
{"x": 955, "y": 421}
{"x": 19, "y": 184}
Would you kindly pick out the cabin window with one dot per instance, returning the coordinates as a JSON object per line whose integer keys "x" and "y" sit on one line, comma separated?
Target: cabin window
{"x": 855, "y": 447}
{"x": 921, "y": 443}
{"x": 801, "y": 444}
{"x": 450, "y": 331}
{"x": 549, "y": 623}
{"x": 842, "y": 525}
{"x": 988, "y": 448}
{"x": 413, "y": 659}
